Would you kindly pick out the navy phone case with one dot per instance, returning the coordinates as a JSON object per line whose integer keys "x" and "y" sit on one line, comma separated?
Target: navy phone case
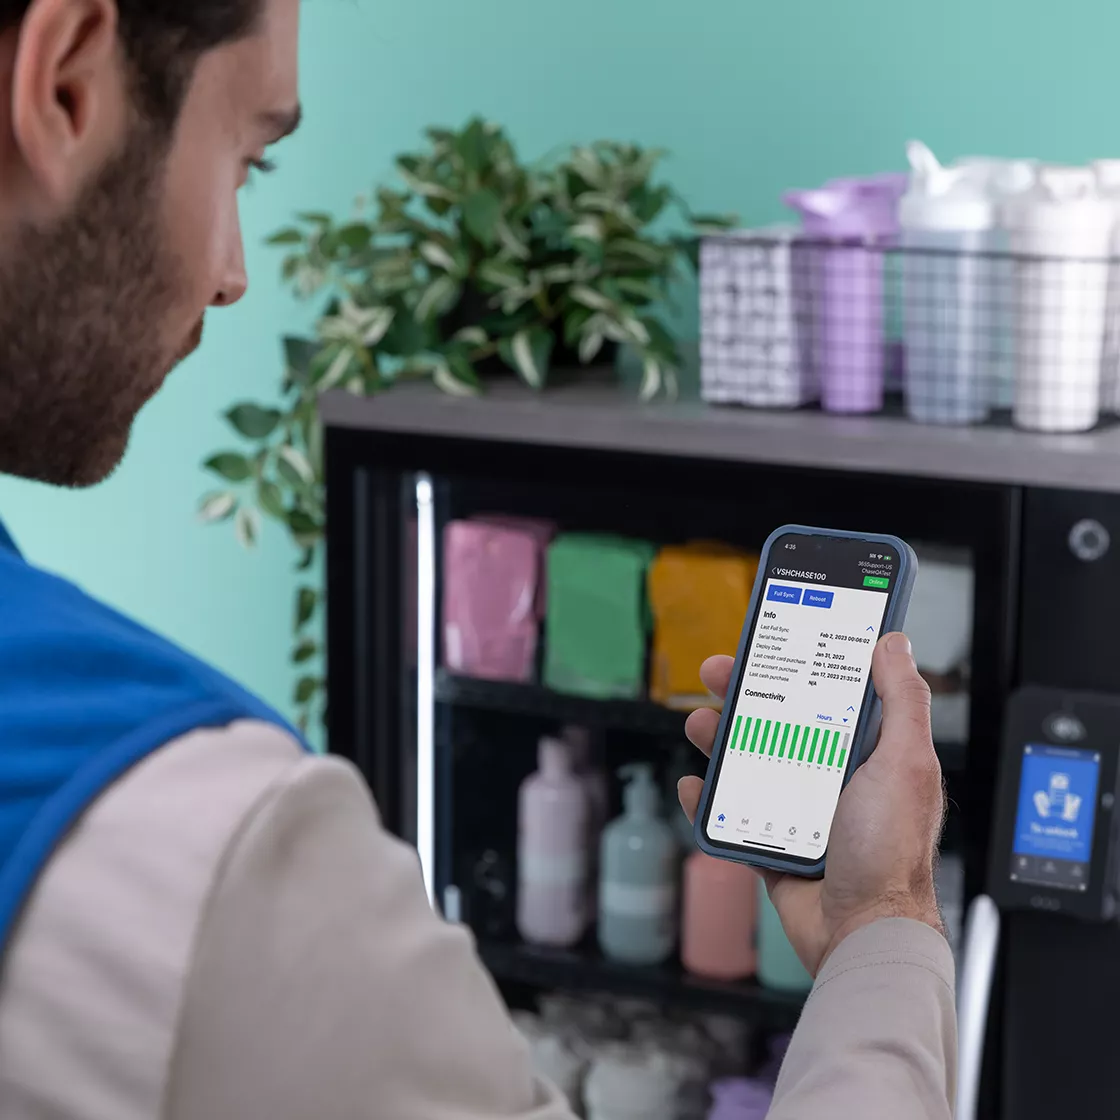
{"x": 866, "y": 732}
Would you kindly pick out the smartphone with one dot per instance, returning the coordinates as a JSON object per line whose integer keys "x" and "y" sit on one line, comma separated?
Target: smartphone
{"x": 801, "y": 713}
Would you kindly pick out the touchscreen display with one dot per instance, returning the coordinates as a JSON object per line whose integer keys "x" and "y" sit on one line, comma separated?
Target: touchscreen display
{"x": 1053, "y": 840}
{"x": 802, "y": 691}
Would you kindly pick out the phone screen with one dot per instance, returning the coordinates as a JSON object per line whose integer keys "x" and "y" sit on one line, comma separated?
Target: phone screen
{"x": 1053, "y": 843}
{"x": 804, "y": 684}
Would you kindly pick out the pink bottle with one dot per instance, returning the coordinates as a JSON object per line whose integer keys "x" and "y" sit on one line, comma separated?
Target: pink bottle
{"x": 719, "y": 916}
{"x": 553, "y": 853}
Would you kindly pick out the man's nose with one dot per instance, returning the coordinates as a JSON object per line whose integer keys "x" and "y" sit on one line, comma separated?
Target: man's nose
{"x": 234, "y": 285}
{"x": 234, "y": 281}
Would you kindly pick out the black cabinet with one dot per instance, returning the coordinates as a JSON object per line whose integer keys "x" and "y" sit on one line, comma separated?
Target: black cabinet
{"x": 389, "y": 495}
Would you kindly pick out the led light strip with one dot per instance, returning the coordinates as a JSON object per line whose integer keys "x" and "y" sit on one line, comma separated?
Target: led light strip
{"x": 425, "y": 679}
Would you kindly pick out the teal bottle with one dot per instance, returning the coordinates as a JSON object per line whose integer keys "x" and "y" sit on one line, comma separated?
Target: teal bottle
{"x": 638, "y": 869}
{"x": 778, "y": 964}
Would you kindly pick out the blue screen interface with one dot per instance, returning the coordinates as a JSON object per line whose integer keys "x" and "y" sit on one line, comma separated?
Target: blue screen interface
{"x": 1053, "y": 843}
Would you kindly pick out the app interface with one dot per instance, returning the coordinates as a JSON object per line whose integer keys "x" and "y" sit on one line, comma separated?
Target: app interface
{"x": 799, "y": 701}
{"x": 1053, "y": 842}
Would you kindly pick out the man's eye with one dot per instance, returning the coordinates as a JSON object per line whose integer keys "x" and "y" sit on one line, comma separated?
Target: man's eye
{"x": 261, "y": 166}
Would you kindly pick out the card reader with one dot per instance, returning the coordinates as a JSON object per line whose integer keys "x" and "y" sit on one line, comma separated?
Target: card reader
{"x": 1054, "y": 845}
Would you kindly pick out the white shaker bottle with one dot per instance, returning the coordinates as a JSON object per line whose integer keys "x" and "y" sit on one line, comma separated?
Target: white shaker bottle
{"x": 1107, "y": 172}
{"x": 948, "y": 233}
{"x": 1061, "y": 232}
{"x": 1003, "y": 180}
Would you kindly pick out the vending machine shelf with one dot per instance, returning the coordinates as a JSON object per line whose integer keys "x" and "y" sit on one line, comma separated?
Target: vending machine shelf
{"x": 536, "y": 700}
{"x": 584, "y": 968}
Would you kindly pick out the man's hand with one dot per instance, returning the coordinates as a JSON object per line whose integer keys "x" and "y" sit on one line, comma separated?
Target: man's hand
{"x": 882, "y": 849}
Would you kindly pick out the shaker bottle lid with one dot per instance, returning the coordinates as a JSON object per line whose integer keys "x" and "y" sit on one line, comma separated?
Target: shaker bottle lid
{"x": 1062, "y": 200}
{"x": 943, "y": 198}
{"x": 1107, "y": 175}
{"x": 850, "y": 207}
{"x": 963, "y": 197}
{"x": 1003, "y": 177}
{"x": 824, "y": 211}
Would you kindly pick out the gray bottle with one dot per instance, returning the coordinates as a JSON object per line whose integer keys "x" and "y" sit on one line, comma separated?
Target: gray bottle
{"x": 639, "y": 867}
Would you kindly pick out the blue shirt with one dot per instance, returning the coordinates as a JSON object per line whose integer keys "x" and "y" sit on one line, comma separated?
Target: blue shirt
{"x": 85, "y": 694}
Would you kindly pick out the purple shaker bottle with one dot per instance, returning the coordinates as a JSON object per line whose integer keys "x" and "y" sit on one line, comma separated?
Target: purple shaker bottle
{"x": 846, "y": 283}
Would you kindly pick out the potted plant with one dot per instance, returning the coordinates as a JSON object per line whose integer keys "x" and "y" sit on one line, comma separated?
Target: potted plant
{"x": 476, "y": 263}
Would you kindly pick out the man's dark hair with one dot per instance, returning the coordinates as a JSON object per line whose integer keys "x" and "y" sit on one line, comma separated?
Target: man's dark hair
{"x": 163, "y": 40}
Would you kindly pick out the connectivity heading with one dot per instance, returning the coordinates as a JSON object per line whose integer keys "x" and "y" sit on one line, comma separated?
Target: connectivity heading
{"x": 765, "y": 695}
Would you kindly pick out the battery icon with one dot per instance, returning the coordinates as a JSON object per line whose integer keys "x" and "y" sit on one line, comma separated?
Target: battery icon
{"x": 886, "y": 557}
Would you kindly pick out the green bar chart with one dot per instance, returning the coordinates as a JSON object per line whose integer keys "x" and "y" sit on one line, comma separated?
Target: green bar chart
{"x": 789, "y": 742}
{"x": 737, "y": 729}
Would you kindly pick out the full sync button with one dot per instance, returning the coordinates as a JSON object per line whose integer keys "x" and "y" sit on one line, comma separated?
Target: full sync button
{"x": 779, "y": 593}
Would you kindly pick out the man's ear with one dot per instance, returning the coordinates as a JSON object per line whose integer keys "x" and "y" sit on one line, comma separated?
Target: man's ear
{"x": 69, "y": 94}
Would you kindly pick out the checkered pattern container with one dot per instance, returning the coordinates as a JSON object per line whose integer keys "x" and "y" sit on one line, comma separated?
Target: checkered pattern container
{"x": 755, "y": 344}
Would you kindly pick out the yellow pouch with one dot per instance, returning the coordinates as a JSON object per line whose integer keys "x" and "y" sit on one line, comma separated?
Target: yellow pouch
{"x": 698, "y": 595}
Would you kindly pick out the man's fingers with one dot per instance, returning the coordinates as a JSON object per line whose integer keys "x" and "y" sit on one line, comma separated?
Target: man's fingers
{"x": 716, "y": 674}
{"x": 905, "y": 697}
{"x": 688, "y": 790}
{"x": 700, "y": 727}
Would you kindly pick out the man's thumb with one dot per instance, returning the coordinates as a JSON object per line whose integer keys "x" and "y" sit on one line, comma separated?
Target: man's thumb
{"x": 905, "y": 696}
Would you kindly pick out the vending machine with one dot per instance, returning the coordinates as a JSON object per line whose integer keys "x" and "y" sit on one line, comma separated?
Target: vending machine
{"x": 1026, "y": 718}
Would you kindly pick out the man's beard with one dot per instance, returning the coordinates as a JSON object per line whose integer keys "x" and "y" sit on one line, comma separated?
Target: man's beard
{"x": 82, "y": 305}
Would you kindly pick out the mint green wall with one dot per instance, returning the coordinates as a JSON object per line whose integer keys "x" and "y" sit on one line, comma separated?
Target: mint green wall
{"x": 750, "y": 99}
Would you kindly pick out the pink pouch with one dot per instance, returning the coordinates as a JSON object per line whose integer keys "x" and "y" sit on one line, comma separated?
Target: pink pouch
{"x": 542, "y": 532}
{"x": 490, "y": 590}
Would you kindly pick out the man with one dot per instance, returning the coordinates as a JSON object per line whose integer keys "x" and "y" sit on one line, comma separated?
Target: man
{"x": 199, "y": 920}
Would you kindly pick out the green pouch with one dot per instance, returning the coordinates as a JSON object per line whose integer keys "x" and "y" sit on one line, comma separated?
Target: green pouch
{"x": 598, "y": 616}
